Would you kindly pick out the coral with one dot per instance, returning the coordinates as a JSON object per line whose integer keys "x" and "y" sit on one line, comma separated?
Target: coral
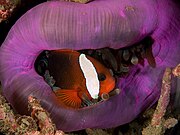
{"x": 163, "y": 100}
{"x": 6, "y": 8}
{"x": 26, "y": 125}
{"x": 158, "y": 124}
{"x": 41, "y": 116}
{"x": 96, "y": 132}
{"x": 7, "y": 118}
{"x": 176, "y": 71}
{"x": 80, "y": 1}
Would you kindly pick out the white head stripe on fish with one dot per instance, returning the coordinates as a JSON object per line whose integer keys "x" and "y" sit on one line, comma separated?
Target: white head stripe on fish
{"x": 91, "y": 76}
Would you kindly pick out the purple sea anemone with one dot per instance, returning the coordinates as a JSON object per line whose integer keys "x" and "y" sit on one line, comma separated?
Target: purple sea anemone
{"x": 98, "y": 24}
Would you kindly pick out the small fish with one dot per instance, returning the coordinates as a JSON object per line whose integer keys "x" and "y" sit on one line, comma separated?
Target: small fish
{"x": 80, "y": 77}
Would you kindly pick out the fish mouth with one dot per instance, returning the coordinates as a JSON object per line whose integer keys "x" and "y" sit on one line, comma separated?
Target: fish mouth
{"x": 120, "y": 62}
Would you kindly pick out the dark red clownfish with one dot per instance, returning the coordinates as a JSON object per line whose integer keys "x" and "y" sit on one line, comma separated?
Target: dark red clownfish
{"x": 81, "y": 78}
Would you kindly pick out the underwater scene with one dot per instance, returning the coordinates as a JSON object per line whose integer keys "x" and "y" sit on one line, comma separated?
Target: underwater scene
{"x": 89, "y": 67}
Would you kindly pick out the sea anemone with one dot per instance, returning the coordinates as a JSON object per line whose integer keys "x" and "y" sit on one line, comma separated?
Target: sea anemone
{"x": 117, "y": 29}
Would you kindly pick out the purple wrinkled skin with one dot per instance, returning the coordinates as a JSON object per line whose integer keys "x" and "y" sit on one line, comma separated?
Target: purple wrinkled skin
{"x": 98, "y": 24}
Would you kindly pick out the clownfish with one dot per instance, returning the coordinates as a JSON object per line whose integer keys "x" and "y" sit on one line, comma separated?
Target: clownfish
{"x": 80, "y": 78}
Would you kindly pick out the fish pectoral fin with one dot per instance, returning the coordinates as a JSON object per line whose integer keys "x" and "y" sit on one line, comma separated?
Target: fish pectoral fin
{"x": 69, "y": 97}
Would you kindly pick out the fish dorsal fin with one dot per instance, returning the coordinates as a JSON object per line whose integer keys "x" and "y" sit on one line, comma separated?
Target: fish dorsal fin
{"x": 91, "y": 76}
{"x": 68, "y": 97}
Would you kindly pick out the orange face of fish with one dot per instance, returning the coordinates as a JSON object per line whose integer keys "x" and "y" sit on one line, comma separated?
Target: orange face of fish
{"x": 75, "y": 85}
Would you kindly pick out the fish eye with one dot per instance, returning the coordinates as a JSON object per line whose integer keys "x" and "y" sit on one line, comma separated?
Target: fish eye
{"x": 101, "y": 77}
